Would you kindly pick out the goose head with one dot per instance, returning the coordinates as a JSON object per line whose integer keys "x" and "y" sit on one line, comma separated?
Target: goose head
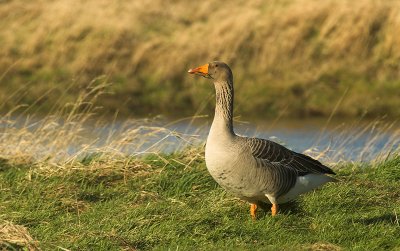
{"x": 218, "y": 71}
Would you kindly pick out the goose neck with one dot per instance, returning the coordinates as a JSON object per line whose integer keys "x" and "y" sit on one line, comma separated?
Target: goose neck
{"x": 223, "y": 118}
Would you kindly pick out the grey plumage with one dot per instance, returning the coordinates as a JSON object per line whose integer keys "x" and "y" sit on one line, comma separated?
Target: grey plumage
{"x": 256, "y": 170}
{"x": 284, "y": 165}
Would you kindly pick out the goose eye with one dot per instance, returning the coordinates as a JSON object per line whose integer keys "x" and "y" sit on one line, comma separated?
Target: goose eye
{"x": 216, "y": 65}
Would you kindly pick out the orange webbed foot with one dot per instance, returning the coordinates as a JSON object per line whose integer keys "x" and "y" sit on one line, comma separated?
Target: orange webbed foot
{"x": 253, "y": 209}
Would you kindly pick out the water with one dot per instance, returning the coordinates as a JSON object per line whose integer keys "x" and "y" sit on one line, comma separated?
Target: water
{"x": 334, "y": 141}
{"x": 56, "y": 138}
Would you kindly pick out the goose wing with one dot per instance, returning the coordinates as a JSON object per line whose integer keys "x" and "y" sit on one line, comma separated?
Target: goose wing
{"x": 276, "y": 154}
{"x": 281, "y": 166}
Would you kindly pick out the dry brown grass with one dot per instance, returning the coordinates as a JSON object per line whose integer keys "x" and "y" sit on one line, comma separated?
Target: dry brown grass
{"x": 320, "y": 246}
{"x": 303, "y": 54}
{"x": 281, "y": 51}
{"x": 378, "y": 141}
{"x": 74, "y": 134}
{"x": 16, "y": 237}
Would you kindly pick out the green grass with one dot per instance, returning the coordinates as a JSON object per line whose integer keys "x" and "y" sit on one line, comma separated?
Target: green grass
{"x": 157, "y": 203}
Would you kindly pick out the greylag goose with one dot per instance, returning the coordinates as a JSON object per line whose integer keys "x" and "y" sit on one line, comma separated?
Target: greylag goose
{"x": 256, "y": 170}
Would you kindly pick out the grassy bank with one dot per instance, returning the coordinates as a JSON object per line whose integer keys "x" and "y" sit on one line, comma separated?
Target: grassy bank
{"x": 171, "y": 201}
{"x": 290, "y": 58}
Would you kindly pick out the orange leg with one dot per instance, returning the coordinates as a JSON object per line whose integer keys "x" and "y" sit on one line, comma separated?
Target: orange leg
{"x": 274, "y": 209}
{"x": 253, "y": 209}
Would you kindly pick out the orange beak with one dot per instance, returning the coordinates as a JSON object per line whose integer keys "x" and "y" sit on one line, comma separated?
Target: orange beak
{"x": 201, "y": 70}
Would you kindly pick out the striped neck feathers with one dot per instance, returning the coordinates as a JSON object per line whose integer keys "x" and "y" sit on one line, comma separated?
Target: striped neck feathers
{"x": 224, "y": 104}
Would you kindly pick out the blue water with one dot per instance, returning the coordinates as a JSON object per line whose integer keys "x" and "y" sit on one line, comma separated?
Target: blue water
{"x": 334, "y": 141}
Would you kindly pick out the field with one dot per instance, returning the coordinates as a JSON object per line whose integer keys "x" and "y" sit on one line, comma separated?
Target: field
{"x": 73, "y": 72}
{"x": 290, "y": 58}
{"x": 167, "y": 202}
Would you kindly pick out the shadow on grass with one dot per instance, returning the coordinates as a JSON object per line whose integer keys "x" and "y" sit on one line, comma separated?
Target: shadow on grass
{"x": 292, "y": 207}
{"x": 386, "y": 218}
{"x": 4, "y": 164}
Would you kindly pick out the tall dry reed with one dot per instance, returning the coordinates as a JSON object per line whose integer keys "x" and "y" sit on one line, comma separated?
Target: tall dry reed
{"x": 285, "y": 54}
